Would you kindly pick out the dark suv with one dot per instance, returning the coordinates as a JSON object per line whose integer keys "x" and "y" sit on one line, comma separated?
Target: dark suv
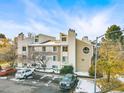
{"x": 68, "y": 81}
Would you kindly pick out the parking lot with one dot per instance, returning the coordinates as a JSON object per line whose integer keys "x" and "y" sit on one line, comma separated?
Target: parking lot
{"x": 40, "y": 83}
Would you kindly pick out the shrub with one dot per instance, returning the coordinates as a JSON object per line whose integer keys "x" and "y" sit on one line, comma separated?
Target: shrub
{"x": 106, "y": 86}
{"x": 66, "y": 70}
{"x": 92, "y": 71}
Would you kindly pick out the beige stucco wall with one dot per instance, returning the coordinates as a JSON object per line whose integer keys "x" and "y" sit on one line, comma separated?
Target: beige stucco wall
{"x": 43, "y": 38}
{"x": 83, "y": 61}
{"x": 23, "y": 43}
{"x": 26, "y": 41}
{"x": 72, "y": 48}
{"x": 75, "y": 56}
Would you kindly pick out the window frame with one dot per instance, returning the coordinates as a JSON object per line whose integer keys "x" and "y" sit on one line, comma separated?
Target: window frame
{"x": 54, "y": 48}
{"x": 24, "y": 48}
{"x": 86, "y": 50}
{"x": 36, "y": 40}
{"x": 64, "y": 48}
{"x": 65, "y": 58}
{"x": 54, "y": 58}
{"x": 43, "y": 48}
{"x": 64, "y": 39}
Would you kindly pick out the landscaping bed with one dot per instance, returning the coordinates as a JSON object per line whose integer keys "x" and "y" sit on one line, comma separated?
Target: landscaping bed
{"x": 106, "y": 86}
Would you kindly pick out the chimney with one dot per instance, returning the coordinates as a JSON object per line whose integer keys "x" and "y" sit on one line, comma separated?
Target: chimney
{"x": 85, "y": 38}
{"x": 72, "y": 48}
{"x": 29, "y": 35}
{"x": 21, "y": 36}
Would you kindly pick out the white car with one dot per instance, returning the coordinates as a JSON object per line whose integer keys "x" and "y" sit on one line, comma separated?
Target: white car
{"x": 86, "y": 86}
{"x": 24, "y": 73}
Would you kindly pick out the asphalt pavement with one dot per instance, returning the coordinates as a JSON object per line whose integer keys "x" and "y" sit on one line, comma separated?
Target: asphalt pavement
{"x": 43, "y": 83}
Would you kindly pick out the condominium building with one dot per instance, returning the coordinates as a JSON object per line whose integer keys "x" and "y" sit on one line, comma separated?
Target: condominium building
{"x": 67, "y": 50}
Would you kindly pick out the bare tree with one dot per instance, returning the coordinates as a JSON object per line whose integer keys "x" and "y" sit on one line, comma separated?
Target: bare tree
{"x": 43, "y": 61}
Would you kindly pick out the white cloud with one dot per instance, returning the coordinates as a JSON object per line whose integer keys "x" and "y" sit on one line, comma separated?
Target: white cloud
{"x": 11, "y": 28}
{"x": 53, "y": 20}
{"x": 41, "y": 20}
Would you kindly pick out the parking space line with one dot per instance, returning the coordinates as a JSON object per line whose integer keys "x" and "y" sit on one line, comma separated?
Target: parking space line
{"x": 47, "y": 84}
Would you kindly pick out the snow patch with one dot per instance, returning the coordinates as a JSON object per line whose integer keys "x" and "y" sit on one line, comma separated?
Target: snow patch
{"x": 34, "y": 82}
{"x": 14, "y": 79}
{"x": 121, "y": 79}
{"x": 82, "y": 74}
{"x": 43, "y": 77}
{"x": 3, "y": 77}
{"x": 85, "y": 86}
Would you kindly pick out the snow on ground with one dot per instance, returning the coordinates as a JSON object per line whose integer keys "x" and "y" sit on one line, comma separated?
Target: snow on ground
{"x": 48, "y": 70}
{"x": 23, "y": 68}
{"x": 47, "y": 84}
{"x": 121, "y": 79}
{"x": 43, "y": 77}
{"x": 3, "y": 77}
{"x": 46, "y": 75}
{"x": 14, "y": 79}
{"x": 56, "y": 76}
{"x": 86, "y": 86}
{"x": 82, "y": 74}
{"x": 34, "y": 82}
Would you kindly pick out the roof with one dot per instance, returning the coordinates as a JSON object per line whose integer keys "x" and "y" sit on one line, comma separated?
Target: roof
{"x": 50, "y": 43}
{"x": 63, "y": 34}
{"x": 85, "y": 41}
{"x": 45, "y": 35}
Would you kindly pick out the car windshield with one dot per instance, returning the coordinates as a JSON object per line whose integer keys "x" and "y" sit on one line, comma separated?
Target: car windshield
{"x": 66, "y": 79}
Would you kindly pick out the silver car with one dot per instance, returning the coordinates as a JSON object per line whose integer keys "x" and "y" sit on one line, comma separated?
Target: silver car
{"x": 20, "y": 74}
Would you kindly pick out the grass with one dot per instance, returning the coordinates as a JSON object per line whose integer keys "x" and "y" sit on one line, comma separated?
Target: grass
{"x": 107, "y": 86}
{"x": 121, "y": 88}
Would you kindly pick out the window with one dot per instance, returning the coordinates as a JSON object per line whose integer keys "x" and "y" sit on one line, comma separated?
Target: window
{"x": 36, "y": 40}
{"x": 64, "y": 48}
{"x": 86, "y": 50}
{"x": 54, "y": 58}
{"x": 54, "y": 66}
{"x": 54, "y": 48}
{"x": 64, "y": 58}
{"x": 23, "y": 48}
{"x": 44, "y": 48}
{"x": 63, "y": 38}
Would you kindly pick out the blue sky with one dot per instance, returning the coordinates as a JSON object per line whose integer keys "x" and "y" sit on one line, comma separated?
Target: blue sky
{"x": 88, "y": 17}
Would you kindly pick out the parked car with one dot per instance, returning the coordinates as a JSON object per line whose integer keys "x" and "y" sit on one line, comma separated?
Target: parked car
{"x": 7, "y": 71}
{"x": 23, "y": 73}
{"x": 68, "y": 81}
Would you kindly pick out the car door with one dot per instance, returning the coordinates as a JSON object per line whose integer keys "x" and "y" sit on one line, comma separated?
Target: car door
{"x": 28, "y": 72}
{"x": 8, "y": 71}
{"x": 73, "y": 80}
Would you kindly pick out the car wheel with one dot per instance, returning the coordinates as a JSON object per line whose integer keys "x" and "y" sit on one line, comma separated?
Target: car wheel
{"x": 25, "y": 77}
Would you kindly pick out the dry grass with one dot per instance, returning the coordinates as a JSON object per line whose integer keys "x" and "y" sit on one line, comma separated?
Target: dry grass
{"x": 121, "y": 88}
{"x": 107, "y": 86}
